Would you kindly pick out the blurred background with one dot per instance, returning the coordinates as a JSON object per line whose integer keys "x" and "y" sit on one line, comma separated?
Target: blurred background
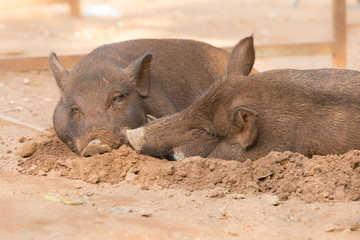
{"x": 34, "y": 28}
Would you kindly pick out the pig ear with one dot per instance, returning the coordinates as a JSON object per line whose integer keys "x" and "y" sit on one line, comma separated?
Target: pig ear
{"x": 140, "y": 72}
{"x": 245, "y": 122}
{"x": 60, "y": 73}
{"x": 242, "y": 57}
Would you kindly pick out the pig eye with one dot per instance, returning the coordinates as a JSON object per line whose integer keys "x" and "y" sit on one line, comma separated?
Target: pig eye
{"x": 74, "y": 110}
{"x": 208, "y": 133}
{"x": 118, "y": 98}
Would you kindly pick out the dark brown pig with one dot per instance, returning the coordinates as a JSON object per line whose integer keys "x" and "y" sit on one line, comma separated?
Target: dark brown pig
{"x": 245, "y": 117}
{"x": 118, "y": 85}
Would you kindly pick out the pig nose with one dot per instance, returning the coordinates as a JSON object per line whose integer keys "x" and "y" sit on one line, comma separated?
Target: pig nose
{"x": 135, "y": 138}
{"x": 95, "y": 147}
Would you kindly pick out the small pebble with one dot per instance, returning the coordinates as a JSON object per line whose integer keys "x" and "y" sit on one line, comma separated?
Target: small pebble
{"x": 212, "y": 166}
{"x": 121, "y": 210}
{"x": 26, "y": 81}
{"x": 224, "y": 213}
{"x": 86, "y": 199}
{"x": 63, "y": 192}
{"x": 93, "y": 179}
{"x": 21, "y": 140}
{"x": 42, "y": 173}
{"x": 145, "y": 212}
{"x": 272, "y": 200}
{"x": 356, "y": 225}
{"x": 18, "y": 108}
{"x": 102, "y": 173}
{"x": 283, "y": 196}
{"x": 238, "y": 196}
{"x": 188, "y": 193}
{"x": 333, "y": 228}
{"x": 247, "y": 163}
{"x": 288, "y": 187}
{"x": 144, "y": 187}
{"x": 28, "y": 150}
{"x": 182, "y": 174}
{"x": 217, "y": 193}
{"x": 325, "y": 194}
{"x": 295, "y": 219}
{"x": 170, "y": 170}
{"x": 130, "y": 176}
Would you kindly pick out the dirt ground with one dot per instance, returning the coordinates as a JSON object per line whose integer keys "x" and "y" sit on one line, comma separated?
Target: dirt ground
{"x": 46, "y": 191}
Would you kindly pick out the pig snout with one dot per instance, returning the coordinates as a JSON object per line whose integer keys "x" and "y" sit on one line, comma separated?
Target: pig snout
{"x": 135, "y": 138}
{"x": 99, "y": 141}
{"x": 95, "y": 147}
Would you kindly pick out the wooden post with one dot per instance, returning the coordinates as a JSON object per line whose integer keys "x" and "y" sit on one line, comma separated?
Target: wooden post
{"x": 339, "y": 32}
{"x": 298, "y": 49}
{"x": 75, "y": 8}
{"x": 74, "y": 4}
{"x": 21, "y": 64}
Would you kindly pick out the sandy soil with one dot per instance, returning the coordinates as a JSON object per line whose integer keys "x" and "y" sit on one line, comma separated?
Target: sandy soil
{"x": 46, "y": 191}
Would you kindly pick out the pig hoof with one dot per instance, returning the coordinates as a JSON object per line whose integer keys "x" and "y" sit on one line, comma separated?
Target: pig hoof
{"x": 95, "y": 147}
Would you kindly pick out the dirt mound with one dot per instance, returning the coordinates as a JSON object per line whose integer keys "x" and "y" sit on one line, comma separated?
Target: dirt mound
{"x": 322, "y": 178}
